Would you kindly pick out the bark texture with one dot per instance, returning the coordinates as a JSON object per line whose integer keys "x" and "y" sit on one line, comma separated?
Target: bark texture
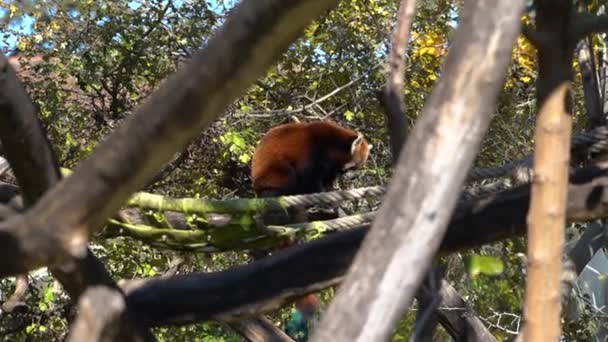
{"x": 412, "y": 221}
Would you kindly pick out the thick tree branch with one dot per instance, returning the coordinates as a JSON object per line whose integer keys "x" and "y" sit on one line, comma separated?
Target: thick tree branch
{"x": 554, "y": 19}
{"x": 547, "y": 218}
{"x": 222, "y": 296}
{"x": 452, "y": 312}
{"x": 394, "y": 106}
{"x": 103, "y": 318}
{"x": 251, "y": 39}
{"x": 36, "y": 168}
{"x": 591, "y": 90}
{"x": 260, "y": 329}
{"x": 412, "y": 221}
{"x": 549, "y": 191}
{"x": 304, "y": 268}
{"x": 592, "y": 240}
{"x": 428, "y": 300}
{"x": 166, "y": 170}
{"x": 393, "y": 101}
{"x": 585, "y": 24}
{"x": 459, "y": 319}
{"x": 16, "y": 301}
{"x": 538, "y": 39}
{"x": 23, "y": 138}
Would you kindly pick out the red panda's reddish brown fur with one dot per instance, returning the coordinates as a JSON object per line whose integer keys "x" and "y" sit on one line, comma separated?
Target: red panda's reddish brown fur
{"x": 300, "y": 158}
{"x": 305, "y": 157}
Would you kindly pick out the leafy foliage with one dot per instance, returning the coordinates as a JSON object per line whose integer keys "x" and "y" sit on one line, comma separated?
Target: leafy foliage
{"x": 87, "y": 64}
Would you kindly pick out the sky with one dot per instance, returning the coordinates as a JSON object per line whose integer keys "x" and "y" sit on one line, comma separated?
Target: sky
{"x": 25, "y": 24}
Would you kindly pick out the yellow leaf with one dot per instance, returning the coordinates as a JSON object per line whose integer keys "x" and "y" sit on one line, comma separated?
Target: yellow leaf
{"x": 12, "y": 9}
{"x": 22, "y": 44}
{"x": 428, "y": 51}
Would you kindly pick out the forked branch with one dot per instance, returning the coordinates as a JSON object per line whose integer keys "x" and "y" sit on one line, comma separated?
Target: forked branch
{"x": 251, "y": 39}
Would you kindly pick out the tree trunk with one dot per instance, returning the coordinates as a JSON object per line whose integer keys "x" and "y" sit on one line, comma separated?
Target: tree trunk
{"x": 409, "y": 227}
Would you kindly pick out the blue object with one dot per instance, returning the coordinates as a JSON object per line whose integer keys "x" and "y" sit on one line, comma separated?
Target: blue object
{"x": 297, "y": 327}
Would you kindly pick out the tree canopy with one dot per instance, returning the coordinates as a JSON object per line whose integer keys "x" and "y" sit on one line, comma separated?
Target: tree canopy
{"x": 88, "y": 66}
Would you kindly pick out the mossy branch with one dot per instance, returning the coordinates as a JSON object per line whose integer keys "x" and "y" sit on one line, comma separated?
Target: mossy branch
{"x": 248, "y": 205}
{"x": 241, "y": 234}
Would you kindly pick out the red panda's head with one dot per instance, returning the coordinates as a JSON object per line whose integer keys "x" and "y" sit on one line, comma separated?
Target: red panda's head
{"x": 359, "y": 152}
{"x": 307, "y": 305}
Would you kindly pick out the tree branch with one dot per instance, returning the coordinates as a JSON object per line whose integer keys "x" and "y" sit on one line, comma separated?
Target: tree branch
{"x": 591, "y": 90}
{"x": 36, "y": 168}
{"x": 16, "y": 301}
{"x": 185, "y": 104}
{"x": 592, "y": 240}
{"x": 304, "y": 268}
{"x": 462, "y": 324}
{"x": 395, "y": 111}
{"x": 547, "y": 217}
{"x": 413, "y": 218}
{"x": 103, "y": 318}
{"x": 166, "y": 170}
{"x": 393, "y": 101}
{"x": 296, "y": 271}
{"x": 260, "y": 329}
{"x": 531, "y": 35}
{"x": 23, "y": 138}
{"x": 585, "y": 24}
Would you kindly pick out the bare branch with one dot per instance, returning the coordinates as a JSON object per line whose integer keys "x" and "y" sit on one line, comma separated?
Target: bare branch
{"x": 15, "y": 302}
{"x": 547, "y": 217}
{"x": 553, "y": 20}
{"x": 251, "y": 39}
{"x": 591, "y": 90}
{"x": 461, "y": 324}
{"x": 538, "y": 39}
{"x": 549, "y": 191}
{"x": 221, "y": 296}
{"x": 592, "y": 240}
{"x": 585, "y": 24}
{"x": 23, "y": 138}
{"x": 394, "y": 103}
{"x": 413, "y": 218}
{"x": 260, "y": 329}
{"x": 36, "y": 168}
{"x": 428, "y": 300}
{"x": 304, "y": 268}
{"x": 169, "y": 168}
{"x": 103, "y": 318}
{"x": 317, "y": 101}
{"x": 450, "y": 310}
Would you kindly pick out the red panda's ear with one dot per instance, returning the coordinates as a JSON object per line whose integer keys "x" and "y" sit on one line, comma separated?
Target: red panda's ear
{"x": 358, "y": 141}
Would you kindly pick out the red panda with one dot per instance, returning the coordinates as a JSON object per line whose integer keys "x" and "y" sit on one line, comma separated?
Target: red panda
{"x": 302, "y": 158}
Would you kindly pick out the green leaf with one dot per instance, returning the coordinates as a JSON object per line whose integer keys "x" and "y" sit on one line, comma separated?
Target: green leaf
{"x": 245, "y": 109}
{"x": 348, "y": 115}
{"x": 483, "y": 264}
{"x": 48, "y": 294}
{"x": 244, "y": 158}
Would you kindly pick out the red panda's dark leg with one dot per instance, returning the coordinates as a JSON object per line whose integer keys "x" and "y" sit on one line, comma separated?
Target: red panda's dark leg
{"x": 277, "y": 180}
{"x": 281, "y": 181}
